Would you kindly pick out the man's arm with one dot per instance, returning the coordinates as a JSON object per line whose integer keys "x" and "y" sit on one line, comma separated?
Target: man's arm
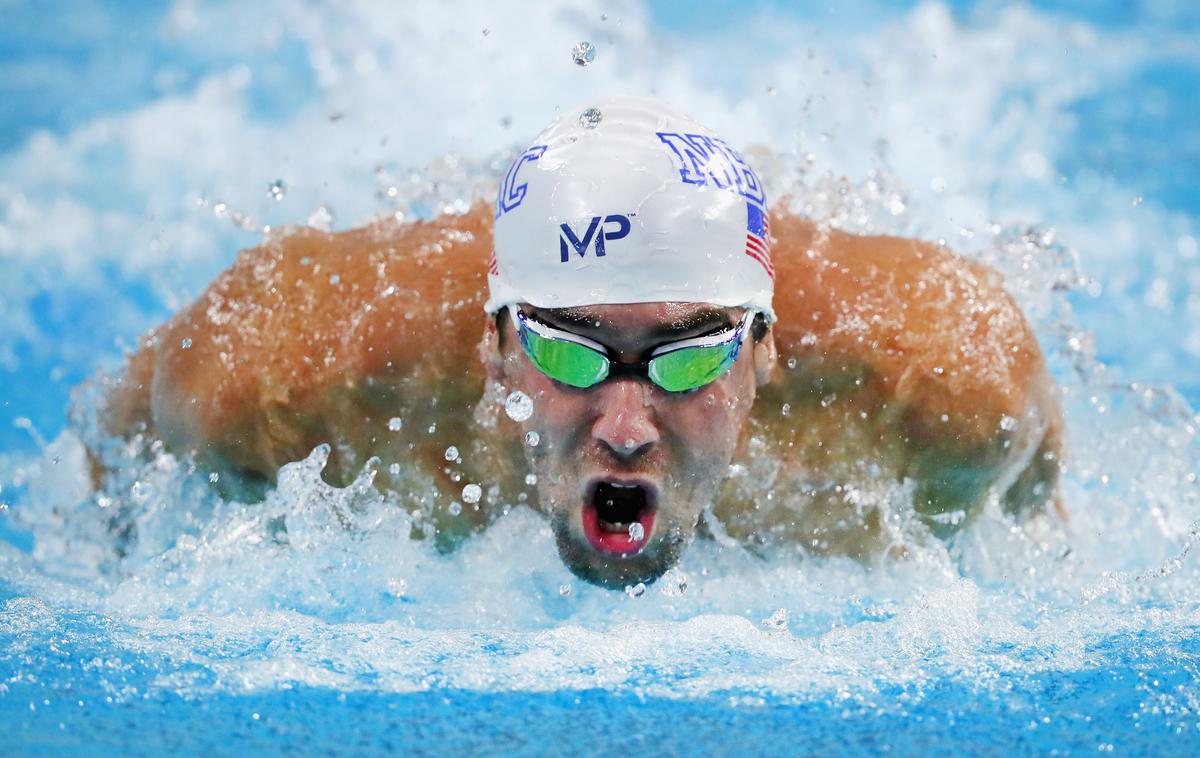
{"x": 900, "y": 359}
{"x": 317, "y": 338}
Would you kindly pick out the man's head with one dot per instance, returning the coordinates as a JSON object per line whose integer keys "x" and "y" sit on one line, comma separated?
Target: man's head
{"x": 630, "y": 298}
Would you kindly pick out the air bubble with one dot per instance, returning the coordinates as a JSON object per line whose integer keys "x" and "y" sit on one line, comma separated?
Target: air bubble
{"x": 583, "y": 54}
{"x": 472, "y": 493}
{"x": 531, "y": 479}
{"x": 395, "y": 424}
{"x": 186, "y": 343}
{"x": 518, "y": 406}
{"x": 277, "y": 190}
{"x": 533, "y": 439}
{"x": 590, "y": 118}
{"x": 636, "y": 531}
{"x": 452, "y": 454}
{"x": 564, "y": 590}
{"x": 636, "y": 590}
{"x": 455, "y": 508}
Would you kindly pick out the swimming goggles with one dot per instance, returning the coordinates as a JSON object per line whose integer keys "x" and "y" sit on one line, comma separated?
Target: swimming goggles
{"x": 676, "y": 366}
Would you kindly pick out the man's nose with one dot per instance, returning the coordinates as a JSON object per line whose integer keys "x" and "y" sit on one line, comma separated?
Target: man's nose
{"x": 625, "y": 423}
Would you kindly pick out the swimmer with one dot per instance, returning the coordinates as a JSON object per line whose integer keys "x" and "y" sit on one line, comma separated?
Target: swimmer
{"x": 632, "y": 341}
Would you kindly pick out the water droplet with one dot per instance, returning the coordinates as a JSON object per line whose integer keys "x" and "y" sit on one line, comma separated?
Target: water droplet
{"x": 531, "y": 479}
{"x": 452, "y": 453}
{"x": 472, "y": 493}
{"x": 395, "y": 424}
{"x": 187, "y": 343}
{"x": 1137, "y": 200}
{"x": 335, "y": 279}
{"x": 397, "y": 587}
{"x": 674, "y": 583}
{"x": 590, "y": 118}
{"x": 786, "y": 410}
{"x": 220, "y": 209}
{"x": 636, "y": 531}
{"x": 518, "y": 406}
{"x": 533, "y": 439}
{"x": 778, "y": 620}
{"x": 564, "y": 590}
{"x": 455, "y": 508}
{"x": 583, "y": 54}
{"x": 142, "y": 491}
{"x": 214, "y": 477}
{"x": 636, "y": 590}
{"x": 1008, "y": 423}
{"x": 277, "y": 189}
{"x": 394, "y": 469}
{"x": 321, "y": 218}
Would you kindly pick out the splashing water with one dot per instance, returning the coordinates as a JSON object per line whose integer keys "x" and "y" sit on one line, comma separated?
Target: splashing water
{"x": 322, "y": 606}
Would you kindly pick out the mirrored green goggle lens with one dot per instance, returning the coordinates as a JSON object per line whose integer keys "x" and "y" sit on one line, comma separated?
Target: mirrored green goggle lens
{"x": 563, "y": 361}
{"x": 692, "y": 367}
{"x": 580, "y": 366}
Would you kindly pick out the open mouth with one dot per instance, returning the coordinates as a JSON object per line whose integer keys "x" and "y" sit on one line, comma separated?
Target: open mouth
{"x": 618, "y": 516}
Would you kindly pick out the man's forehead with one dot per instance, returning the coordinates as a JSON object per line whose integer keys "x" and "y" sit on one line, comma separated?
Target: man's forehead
{"x": 650, "y": 318}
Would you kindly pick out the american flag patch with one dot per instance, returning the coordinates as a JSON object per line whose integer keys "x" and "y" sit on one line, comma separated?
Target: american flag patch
{"x": 493, "y": 267}
{"x": 758, "y": 230}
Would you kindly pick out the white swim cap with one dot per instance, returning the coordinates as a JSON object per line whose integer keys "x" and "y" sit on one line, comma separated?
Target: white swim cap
{"x": 627, "y": 201}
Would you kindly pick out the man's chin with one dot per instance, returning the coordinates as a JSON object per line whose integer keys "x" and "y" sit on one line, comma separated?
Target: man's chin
{"x": 614, "y": 571}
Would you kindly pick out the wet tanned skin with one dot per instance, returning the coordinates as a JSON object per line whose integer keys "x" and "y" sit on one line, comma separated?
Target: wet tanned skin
{"x": 897, "y": 359}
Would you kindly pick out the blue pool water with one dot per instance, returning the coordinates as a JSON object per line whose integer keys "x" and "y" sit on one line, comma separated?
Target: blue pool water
{"x": 137, "y": 147}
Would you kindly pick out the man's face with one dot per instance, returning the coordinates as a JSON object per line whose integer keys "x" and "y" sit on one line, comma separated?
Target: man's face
{"x": 624, "y": 468}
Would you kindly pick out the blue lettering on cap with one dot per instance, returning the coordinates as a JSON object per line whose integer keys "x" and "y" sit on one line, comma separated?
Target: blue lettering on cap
{"x": 510, "y": 194}
{"x": 705, "y": 160}
{"x": 581, "y": 244}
